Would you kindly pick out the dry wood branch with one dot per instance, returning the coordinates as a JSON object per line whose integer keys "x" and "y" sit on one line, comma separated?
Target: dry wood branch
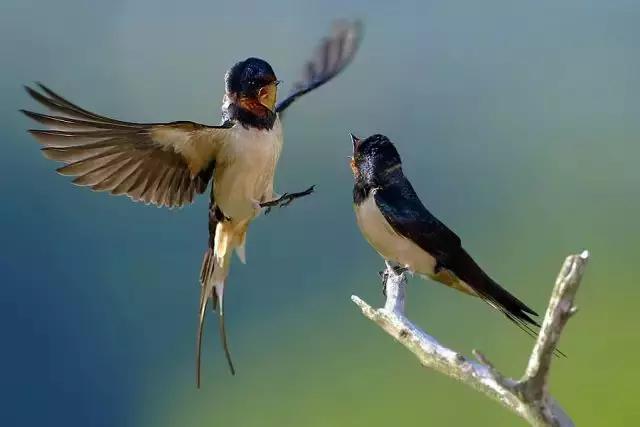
{"x": 527, "y": 397}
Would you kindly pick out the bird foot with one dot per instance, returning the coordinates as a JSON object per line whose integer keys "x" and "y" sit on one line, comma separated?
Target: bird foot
{"x": 398, "y": 269}
{"x": 286, "y": 199}
{"x": 256, "y": 204}
{"x": 384, "y": 275}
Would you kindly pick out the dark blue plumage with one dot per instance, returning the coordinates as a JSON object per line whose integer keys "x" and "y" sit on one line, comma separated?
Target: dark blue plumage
{"x": 385, "y": 199}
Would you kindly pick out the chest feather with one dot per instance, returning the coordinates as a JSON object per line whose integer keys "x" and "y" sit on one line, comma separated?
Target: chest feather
{"x": 245, "y": 168}
{"x": 389, "y": 244}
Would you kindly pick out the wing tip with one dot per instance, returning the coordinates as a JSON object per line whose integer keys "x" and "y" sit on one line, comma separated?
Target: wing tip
{"x": 32, "y": 92}
{"x": 354, "y": 27}
{"x": 346, "y": 24}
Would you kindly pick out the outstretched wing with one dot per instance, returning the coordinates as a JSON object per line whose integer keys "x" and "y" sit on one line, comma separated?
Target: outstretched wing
{"x": 330, "y": 58}
{"x": 161, "y": 163}
{"x": 404, "y": 211}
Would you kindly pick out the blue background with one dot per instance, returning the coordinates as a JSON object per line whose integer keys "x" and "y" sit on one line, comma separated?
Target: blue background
{"x": 518, "y": 125}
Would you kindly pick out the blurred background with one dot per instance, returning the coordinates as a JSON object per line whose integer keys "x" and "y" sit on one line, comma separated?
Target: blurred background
{"x": 518, "y": 125}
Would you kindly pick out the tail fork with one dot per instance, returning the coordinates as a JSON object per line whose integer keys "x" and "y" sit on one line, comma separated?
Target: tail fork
{"x": 219, "y": 290}
{"x": 212, "y": 286}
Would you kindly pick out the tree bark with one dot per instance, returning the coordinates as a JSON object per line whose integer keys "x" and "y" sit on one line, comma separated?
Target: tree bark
{"x": 528, "y": 397}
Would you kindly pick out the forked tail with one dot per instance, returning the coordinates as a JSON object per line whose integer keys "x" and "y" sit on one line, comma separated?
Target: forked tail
{"x": 215, "y": 267}
{"x": 497, "y": 297}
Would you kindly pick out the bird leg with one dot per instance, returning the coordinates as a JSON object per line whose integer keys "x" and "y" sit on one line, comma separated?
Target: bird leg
{"x": 384, "y": 276}
{"x": 218, "y": 214}
{"x": 285, "y": 199}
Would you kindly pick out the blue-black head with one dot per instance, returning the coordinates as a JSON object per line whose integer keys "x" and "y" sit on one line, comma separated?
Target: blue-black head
{"x": 252, "y": 80}
{"x": 375, "y": 159}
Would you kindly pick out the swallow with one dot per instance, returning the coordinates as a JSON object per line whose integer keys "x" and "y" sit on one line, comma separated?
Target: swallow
{"x": 397, "y": 225}
{"x": 169, "y": 164}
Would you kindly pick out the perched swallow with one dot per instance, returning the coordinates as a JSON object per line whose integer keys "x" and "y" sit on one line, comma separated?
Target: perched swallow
{"x": 167, "y": 164}
{"x": 398, "y": 226}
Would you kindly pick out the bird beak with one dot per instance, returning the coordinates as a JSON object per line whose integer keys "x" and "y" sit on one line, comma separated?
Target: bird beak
{"x": 267, "y": 95}
{"x": 355, "y": 140}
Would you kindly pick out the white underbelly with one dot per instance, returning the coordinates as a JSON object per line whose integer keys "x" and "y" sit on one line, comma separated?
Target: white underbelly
{"x": 245, "y": 169}
{"x": 389, "y": 244}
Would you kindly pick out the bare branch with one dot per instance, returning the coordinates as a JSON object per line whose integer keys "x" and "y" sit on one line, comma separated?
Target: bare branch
{"x": 558, "y": 312}
{"x": 527, "y": 397}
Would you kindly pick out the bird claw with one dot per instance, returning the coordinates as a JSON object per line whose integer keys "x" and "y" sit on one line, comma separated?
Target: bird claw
{"x": 285, "y": 199}
{"x": 398, "y": 269}
{"x": 384, "y": 276}
{"x": 256, "y": 204}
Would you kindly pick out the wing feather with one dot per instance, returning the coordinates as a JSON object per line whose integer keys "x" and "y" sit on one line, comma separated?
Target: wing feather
{"x": 159, "y": 163}
{"x": 411, "y": 219}
{"x": 130, "y": 180}
{"x": 331, "y": 57}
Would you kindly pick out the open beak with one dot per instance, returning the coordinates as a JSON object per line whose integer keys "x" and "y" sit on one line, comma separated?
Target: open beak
{"x": 355, "y": 141}
{"x": 267, "y": 95}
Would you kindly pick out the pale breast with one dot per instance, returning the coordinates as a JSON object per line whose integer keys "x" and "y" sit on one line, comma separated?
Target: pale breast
{"x": 245, "y": 169}
{"x": 390, "y": 244}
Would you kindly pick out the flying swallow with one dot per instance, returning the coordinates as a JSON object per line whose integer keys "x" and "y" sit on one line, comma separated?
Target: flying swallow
{"x": 398, "y": 226}
{"x": 168, "y": 164}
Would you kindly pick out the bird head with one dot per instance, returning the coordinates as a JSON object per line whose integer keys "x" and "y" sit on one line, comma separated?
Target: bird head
{"x": 252, "y": 84}
{"x": 374, "y": 158}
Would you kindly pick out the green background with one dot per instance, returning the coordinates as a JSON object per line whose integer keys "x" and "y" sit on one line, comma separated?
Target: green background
{"x": 518, "y": 126}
